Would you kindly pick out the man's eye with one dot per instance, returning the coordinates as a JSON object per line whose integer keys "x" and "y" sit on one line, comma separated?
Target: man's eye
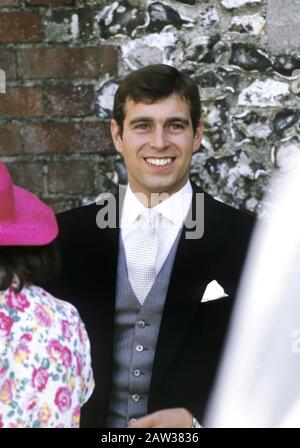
{"x": 141, "y": 126}
{"x": 176, "y": 126}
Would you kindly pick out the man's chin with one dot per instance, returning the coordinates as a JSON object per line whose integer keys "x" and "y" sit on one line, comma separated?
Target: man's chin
{"x": 160, "y": 189}
{"x": 161, "y": 192}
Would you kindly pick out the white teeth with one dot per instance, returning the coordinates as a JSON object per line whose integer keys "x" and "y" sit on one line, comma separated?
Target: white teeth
{"x": 159, "y": 162}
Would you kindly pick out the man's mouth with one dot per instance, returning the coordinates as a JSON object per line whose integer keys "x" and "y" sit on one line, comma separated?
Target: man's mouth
{"x": 161, "y": 161}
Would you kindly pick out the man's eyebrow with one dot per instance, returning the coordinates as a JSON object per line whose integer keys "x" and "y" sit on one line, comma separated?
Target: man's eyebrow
{"x": 180, "y": 119}
{"x": 139, "y": 119}
{"x": 149, "y": 119}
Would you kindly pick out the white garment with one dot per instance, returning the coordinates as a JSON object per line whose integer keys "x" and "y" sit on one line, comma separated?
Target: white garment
{"x": 259, "y": 380}
{"x": 141, "y": 256}
{"x": 173, "y": 212}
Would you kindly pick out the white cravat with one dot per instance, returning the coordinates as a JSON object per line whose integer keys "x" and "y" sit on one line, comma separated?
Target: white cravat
{"x": 172, "y": 213}
{"x": 141, "y": 256}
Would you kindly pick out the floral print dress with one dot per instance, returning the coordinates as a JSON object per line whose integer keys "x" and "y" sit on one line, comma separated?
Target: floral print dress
{"x": 45, "y": 364}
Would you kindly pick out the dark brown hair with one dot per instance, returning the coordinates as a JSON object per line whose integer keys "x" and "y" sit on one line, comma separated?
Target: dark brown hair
{"x": 153, "y": 83}
{"x": 32, "y": 264}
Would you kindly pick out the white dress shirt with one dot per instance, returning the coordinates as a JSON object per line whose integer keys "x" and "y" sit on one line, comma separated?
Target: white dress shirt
{"x": 173, "y": 212}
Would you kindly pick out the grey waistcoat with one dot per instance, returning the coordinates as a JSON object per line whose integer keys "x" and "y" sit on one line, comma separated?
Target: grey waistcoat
{"x": 135, "y": 336}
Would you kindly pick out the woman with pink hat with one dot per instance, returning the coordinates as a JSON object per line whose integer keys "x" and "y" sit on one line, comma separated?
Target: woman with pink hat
{"x": 45, "y": 364}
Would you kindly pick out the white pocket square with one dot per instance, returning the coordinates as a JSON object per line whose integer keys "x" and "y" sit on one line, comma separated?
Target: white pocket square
{"x": 213, "y": 291}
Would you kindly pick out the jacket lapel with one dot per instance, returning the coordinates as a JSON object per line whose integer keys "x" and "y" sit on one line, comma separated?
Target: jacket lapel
{"x": 189, "y": 278}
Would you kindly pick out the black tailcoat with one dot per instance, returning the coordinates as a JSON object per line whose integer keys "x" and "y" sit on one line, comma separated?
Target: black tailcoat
{"x": 192, "y": 332}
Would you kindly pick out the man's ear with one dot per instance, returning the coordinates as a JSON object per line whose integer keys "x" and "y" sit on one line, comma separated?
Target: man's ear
{"x": 198, "y": 135}
{"x": 116, "y": 135}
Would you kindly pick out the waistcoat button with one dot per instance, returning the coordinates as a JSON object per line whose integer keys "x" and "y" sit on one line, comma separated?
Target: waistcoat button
{"x": 140, "y": 324}
{"x": 132, "y": 420}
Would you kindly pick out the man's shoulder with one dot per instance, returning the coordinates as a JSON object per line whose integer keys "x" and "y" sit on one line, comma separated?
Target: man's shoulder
{"x": 221, "y": 207}
{"x": 83, "y": 211}
{"x": 77, "y": 223}
{"x": 233, "y": 212}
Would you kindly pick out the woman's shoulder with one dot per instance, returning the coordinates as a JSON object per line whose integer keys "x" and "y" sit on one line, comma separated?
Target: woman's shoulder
{"x": 44, "y": 353}
{"x": 62, "y": 309}
{"x": 34, "y": 306}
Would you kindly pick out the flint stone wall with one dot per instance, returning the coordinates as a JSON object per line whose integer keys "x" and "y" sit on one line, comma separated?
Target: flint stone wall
{"x": 64, "y": 60}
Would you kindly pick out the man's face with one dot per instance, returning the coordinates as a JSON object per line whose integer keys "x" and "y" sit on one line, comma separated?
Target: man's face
{"x": 157, "y": 144}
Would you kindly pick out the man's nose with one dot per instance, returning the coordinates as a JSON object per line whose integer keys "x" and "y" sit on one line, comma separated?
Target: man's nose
{"x": 159, "y": 139}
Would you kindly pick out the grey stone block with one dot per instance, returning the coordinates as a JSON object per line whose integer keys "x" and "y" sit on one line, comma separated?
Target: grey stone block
{"x": 283, "y": 18}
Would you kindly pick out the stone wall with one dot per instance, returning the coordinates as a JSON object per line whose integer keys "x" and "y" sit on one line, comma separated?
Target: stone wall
{"x": 64, "y": 59}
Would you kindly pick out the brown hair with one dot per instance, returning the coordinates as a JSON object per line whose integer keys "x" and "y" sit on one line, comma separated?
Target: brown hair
{"x": 155, "y": 82}
{"x": 31, "y": 264}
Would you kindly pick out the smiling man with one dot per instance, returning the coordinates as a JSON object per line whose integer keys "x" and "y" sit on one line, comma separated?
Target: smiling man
{"x": 156, "y": 304}
{"x": 157, "y": 141}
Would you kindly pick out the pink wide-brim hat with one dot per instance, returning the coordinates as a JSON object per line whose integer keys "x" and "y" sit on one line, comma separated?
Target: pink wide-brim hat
{"x": 24, "y": 219}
